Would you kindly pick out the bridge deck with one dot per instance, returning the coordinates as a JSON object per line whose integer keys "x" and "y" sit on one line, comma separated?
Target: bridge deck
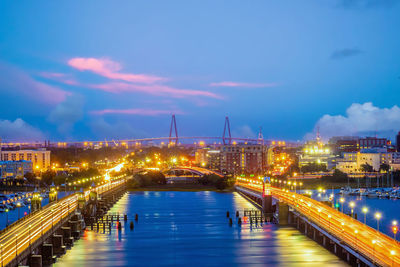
{"x": 364, "y": 239}
{"x": 17, "y": 239}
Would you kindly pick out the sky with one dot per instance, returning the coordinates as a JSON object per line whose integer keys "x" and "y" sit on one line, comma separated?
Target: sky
{"x": 93, "y": 70}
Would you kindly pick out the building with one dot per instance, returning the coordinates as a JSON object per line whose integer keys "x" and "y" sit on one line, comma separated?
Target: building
{"x": 244, "y": 158}
{"x": 208, "y": 157}
{"x": 40, "y": 158}
{"x": 315, "y": 152}
{"x": 372, "y": 142}
{"x": 214, "y": 160}
{"x": 200, "y": 156}
{"x": 398, "y": 142}
{"x": 352, "y": 162}
{"x": 14, "y": 169}
{"x": 342, "y": 144}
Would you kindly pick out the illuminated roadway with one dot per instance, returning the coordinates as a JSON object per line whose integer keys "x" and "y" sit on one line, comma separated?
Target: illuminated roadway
{"x": 365, "y": 240}
{"x": 17, "y": 239}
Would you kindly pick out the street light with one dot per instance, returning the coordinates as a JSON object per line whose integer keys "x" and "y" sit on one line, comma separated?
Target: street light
{"x": 329, "y": 217}
{"x": 365, "y": 211}
{"x": 392, "y": 252}
{"x": 341, "y": 201}
{"x": 378, "y": 216}
{"x": 18, "y": 206}
{"x": 7, "y": 217}
{"x": 373, "y": 254}
{"x": 394, "y": 228}
{"x": 319, "y": 215}
{"x": 352, "y": 205}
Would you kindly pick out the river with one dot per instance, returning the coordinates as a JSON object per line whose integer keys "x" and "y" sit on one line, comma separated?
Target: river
{"x": 191, "y": 228}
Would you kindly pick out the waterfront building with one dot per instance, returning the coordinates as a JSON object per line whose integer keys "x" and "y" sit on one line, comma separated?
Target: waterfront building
{"x": 40, "y": 158}
{"x": 315, "y": 152}
{"x": 14, "y": 169}
{"x": 244, "y": 158}
{"x": 352, "y": 162}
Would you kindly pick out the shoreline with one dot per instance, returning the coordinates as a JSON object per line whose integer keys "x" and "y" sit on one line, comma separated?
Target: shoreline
{"x": 181, "y": 188}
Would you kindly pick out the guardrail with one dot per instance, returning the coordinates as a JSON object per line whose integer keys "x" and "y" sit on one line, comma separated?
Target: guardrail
{"x": 19, "y": 238}
{"x": 376, "y": 246}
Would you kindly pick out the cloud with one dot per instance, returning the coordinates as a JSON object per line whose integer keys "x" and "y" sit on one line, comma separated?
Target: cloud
{"x": 118, "y": 130}
{"x": 367, "y": 3}
{"x": 244, "y": 131}
{"x": 238, "y": 84}
{"x": 19, "y": 130}
{"x": 345, "y": 53}
{"x": 154, "y": 89}
{"x": 110, "y": 69}
{"x": 67, "y": 113}
{"x": 359, "y": 118}
{"x": 138, "y": 111}
{"x": 60, "y": 77}
{"x": 13, "y": 80}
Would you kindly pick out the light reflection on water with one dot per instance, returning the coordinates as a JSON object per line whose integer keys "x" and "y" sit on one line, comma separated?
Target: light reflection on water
{"x": 191, "y": 228}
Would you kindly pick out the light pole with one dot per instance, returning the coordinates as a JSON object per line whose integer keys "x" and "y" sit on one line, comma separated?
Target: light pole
{"x": 392, "y": 252}
{"x": 378, "y": 216}
{"x": 30, "y": 226}
{"x": 7, "y": 217}
{"x": 365, "y": 210}
{"x": 18, "y": 206}
{"x": 16, "y": 245}
{"x": 329, "y": 217}
{"x": 341, "y": 201}
{"x": 352, "y": 205}
{"x": 319, "y": 215}
{"x": 52, "y": 220}
{"x": 355, "y": 236}
{"x": 373, "y": 247}
{"x": 394, "y": 229}
{"x": 41, "y": 225}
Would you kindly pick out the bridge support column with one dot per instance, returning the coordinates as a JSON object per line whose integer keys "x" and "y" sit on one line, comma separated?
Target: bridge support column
{"x": 47, "y": 254}
{"x": 35, "y": 261}
{"x": 67, "y": 238}
{"x": 58, "y": 247}
{"x": 267, "y": 204}
{"x": 283, "y": 213}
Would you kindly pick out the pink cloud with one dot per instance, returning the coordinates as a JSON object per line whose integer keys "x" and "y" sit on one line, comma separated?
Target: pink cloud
{"x": 153, "y": 89}
{"x": 60, "y": 77}
{"x": 143, "y": 112}
{"x": 16, "y": 81}
{"x": 238, "y": 84}
{"x": 110, "y": 69}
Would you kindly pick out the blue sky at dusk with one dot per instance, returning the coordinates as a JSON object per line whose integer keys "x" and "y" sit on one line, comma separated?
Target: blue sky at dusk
{"x": 84, "y": 70}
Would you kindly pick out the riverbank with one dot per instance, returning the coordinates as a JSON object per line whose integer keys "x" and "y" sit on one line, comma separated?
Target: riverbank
{"x": 180, "y": 187}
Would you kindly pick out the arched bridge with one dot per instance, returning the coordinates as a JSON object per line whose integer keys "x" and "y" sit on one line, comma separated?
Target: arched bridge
{"x": 189, "y": 171}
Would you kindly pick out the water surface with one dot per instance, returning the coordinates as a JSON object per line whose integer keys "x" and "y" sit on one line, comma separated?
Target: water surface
{"x": 191, "y": 229}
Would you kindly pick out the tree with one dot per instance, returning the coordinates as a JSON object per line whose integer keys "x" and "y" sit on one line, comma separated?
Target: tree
{"x": 384, "y": 167}
{"x": 30, "y": 177}
{"x": 48, "y": 177}
{"x": 366, "y": 167}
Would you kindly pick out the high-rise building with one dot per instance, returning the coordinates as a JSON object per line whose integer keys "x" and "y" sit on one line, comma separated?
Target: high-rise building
{"x": 40, "y": 158}
{"x": 244, "y": 158}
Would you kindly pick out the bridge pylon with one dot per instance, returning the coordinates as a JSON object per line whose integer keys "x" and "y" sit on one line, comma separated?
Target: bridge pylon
{"x": 173, "y": 128}
{"x": 227, "y": 130}
{"x": 260, "y": 139}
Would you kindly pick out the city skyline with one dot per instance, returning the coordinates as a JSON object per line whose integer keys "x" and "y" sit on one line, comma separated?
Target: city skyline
{"x": 80, "y": 71}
